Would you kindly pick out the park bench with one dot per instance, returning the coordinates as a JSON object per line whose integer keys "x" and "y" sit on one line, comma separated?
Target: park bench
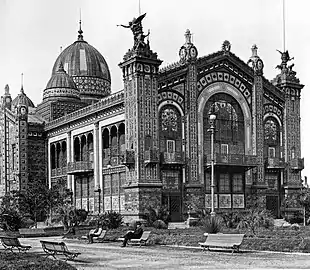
{"x": 58, "y": 248}
{"x": 141, "y": 241}
{"x": 9, "y": 243}
{"x": 99, "y": 236}
{"x": 221, "y": 240}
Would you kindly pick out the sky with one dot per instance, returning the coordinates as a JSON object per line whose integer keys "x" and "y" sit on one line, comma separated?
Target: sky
{"x": 33, "y": 31}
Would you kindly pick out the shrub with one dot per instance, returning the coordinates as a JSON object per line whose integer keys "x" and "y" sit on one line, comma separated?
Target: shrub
{"x": 295, "y": 227}
{"x": 111, "y": 219}
{"x": 159, "y": 224}
{"x": 231, "y": 219}
{"x": 254, "y": 219}
{"x": 10, "y": 220}
{"x": 212, "y": 224}
{"x": 152, "y": 215}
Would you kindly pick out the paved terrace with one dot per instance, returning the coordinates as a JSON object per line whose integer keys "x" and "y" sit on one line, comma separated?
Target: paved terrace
{"x": 111, "y": 256}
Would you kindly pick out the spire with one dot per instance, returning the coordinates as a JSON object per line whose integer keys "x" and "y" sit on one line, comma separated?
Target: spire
{"x": 80, "y": 36}
{"x": 188, "y": 36}
{"x": 22, "y": 82}
{"x": 6, "y": 89}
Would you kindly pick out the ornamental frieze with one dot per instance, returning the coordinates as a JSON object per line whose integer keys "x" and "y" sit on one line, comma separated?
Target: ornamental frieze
{"x": 171, "y": 96}
{"x": 224, "y": 77}
{"x": 270, "y": 109}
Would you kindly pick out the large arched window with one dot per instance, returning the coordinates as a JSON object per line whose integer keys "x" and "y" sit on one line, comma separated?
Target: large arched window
{"x": 229, "y": 132}
{"x": 271, "y": 138}
{"x": 170, "y": 124}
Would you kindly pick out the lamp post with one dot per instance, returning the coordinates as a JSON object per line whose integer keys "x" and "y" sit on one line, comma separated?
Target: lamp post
{"x": 212, "y": 118}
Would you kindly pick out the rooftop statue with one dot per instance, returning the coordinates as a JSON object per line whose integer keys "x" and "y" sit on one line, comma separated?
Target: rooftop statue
{"x": 136, "y": 27}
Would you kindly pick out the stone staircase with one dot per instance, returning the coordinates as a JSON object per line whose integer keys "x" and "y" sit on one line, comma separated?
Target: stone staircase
{"x": 178, "y": 225}
{"x": 281, "y": 223}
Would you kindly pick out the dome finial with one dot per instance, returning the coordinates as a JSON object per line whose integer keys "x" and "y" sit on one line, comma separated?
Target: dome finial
{"x": 7, "y": 89}
{"x": 80, "y": 36}
{"x": 22, "y": 82}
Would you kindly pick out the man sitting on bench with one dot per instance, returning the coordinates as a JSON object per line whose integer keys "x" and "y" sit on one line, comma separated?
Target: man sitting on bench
{"x": 136, "y": 234}
{"x": 94, "y": 233}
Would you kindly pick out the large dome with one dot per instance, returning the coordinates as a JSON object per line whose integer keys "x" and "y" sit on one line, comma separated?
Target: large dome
{"x": 88, "y": 69}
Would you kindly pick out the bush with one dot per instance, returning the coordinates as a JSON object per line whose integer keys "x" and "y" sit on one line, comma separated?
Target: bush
{"x": 254, "y": 219}
{"x": 231, "y": 219}
{"x": 159, "y": 224}
{"x": 10, "y": 220}
{"x": 152, "y": 215}
{"x": 212, "y": 224}
{"x": 111, "y": 219}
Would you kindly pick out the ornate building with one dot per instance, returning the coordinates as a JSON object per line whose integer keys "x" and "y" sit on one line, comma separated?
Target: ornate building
{"x": 150, "y": 144}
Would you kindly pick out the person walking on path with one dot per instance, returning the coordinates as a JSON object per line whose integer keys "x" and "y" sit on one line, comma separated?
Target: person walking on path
{"x": 136, "y": 234}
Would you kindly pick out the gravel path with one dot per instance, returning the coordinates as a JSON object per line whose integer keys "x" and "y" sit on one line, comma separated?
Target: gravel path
{"x": 112, "y": 256}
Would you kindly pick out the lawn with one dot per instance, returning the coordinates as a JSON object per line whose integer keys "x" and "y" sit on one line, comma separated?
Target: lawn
{"x": 30, "y": 261}
{"x": 274, "y": 239}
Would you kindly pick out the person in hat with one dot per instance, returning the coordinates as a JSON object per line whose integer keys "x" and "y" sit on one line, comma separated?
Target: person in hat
{"x": 136, "y": 234}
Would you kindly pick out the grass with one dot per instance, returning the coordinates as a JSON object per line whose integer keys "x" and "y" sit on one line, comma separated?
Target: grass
{"x": 274, "y": 239}
{"x": 30, "y": 261}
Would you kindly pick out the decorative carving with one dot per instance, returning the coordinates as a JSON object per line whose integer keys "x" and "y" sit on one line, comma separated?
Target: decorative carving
{"x": 226, "y": 46}
{"x": 140, "y": 48}
{"x": 188, "y": 52}
{"x": 287, "y": 72}
{"x": 255, "y": 62}
{"x": 169, "y": 120}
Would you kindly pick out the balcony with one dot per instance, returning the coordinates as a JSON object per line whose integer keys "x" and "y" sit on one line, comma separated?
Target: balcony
{"x": 80, "y": 167}
{"x": 172, "y": 158}
{"x": 275, "y": 163}
{"x": 232, "y": 160}
{"x": 151, "y": 156}
{"x": 59, "y": 172}
{"x": 128, "y": 158}
{"x": 297, "y": 164}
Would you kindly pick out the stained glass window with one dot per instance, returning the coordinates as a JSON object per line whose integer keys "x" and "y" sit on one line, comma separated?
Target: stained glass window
{"x": 169, "y": 120}
{"x": 270, "y": 130}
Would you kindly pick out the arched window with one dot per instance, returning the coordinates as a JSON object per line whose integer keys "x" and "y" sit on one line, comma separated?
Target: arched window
{"x": 170, "y": 124}
{"x": 229, "y": 123}
{"x": 271, "y": 132}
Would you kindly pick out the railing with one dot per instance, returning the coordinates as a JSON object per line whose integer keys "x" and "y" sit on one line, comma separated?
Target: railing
{"x": 172, "y": 158}
{"x": 297, "y": 164}
{"x": 232, "y": 159}
{"x": 78, "y": 167}
{"x": 102, "y": 104}
{"x": 59, "y": 171}
{"x": 151, "y": 156}
{"x": 275, "y": 163}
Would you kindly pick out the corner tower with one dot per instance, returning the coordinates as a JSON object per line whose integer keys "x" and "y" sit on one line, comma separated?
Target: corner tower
{"x": 290, "y": 85}
{"x": 140, "y": 74}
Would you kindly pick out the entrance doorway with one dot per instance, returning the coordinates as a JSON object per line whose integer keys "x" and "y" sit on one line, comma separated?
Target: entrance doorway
{"x": 173, "y": 203}
{"x": 272, "y": 204}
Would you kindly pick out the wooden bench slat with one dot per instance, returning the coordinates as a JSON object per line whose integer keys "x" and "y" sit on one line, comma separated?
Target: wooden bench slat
{"x": 223, "y": 240}
{"x": 58, "y": 248}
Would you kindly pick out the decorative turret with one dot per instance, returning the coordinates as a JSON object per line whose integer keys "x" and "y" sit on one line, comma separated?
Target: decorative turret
{"x": 289, "y": 84}
{"x": 188, "y": 52}
{"x": 257, "y": 118}
{"x": 255, "y": 62}
{"x": 7, "y": 99}
{"x": 140, "y": 74}
{"x": 61, "y": 87}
